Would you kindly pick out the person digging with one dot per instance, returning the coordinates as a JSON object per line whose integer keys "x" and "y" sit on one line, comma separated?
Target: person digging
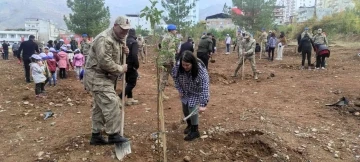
{"x": 249, "y": 47}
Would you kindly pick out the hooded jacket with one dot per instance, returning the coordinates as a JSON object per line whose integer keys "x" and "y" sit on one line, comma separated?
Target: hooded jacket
{"x": 205, "y": 45}
{"x": 63, "y": 59}
{"x": 79, "y": 60}
{"x": 37, "y": 73}
{"x": 132, "y": 60}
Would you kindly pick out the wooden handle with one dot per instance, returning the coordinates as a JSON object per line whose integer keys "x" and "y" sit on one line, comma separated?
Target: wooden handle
{"x": 123, "y": 96}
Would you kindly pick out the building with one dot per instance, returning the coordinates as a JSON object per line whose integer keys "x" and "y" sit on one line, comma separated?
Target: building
{"x": 194, "y": 14}
{"x": 279, "y": 14}
{"x": 16, "y": 36}
{"x": 136, "y": 21}
{"x": 219, "y": 21}
{"x": 46, "y": 29}
{"x": 306, "y": 13}
{"x": 338, "y": 5}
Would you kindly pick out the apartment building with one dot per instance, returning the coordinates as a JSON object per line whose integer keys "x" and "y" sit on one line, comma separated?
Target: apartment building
{"x": 16, "y": 36}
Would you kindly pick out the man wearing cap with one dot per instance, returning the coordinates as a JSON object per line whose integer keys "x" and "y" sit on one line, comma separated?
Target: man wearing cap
{"x": 169, "y": 46}
{"x": 103, "y": 67}
{"x": 320, "y": 39}
{"x": 249, "y": 47}
{"x": 85, "y": 46}
{"x": 27, "y": 48}
{"x": 263, "y": 41}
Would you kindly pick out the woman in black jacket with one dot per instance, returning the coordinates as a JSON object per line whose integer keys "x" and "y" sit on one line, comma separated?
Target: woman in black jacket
{"x": 132, "y": 62}
{"x": 305, "y": 46}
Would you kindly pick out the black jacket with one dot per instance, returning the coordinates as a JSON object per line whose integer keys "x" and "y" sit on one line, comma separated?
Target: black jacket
{"x": 5, "y": 46}
{"x": 132, "y": 60}
{"x": 187, "y": 46}
{"x": 73, "y": 44}
{"x": 306, "y": 44}
{"x": 28, "y": 48}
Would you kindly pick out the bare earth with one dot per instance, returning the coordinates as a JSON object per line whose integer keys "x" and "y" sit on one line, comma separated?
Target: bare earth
{"x": 281, "y": 118}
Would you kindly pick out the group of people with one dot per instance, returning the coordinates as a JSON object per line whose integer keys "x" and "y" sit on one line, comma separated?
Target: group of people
{"x": 43, "y": 65}
{"x": 318, "y": 42}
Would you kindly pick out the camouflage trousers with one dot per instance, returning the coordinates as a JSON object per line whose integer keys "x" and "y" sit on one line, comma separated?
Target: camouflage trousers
{"x": 142, "y": 55}
{"x": 106, "y": 112}
{"x": 263, "y": 47}
{"x": 164, "y": 76}
{"x": 252, "y": 62}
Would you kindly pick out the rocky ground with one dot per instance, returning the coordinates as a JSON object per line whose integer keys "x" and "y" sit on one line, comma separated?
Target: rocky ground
{"x": 280, "y": 117}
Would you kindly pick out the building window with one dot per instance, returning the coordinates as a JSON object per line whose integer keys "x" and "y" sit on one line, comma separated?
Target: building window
{"x": 12, "y": 36}
{"x": 3, "y": 36}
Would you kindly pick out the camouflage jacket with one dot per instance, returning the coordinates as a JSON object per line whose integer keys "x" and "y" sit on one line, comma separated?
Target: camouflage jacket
{"x": 104, "y": 62}
{"x": 168, "y": 49}
{"x": 85, "y": 47}
{"x": 263, "y": 37}
{"x": 320, "y": 39}
{"x": 141, "y": 44}
{"x": 249, "y": 47}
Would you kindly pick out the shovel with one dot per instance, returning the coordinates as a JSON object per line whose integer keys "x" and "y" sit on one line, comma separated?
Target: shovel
{"x": 122, "y": 149}
{"x": 194, "y": 112}
{"x": 212, "y": 60}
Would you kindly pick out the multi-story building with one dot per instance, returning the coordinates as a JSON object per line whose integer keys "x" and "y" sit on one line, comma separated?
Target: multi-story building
{"x": 219, "y": 21}
{"x": 194, "y": 14}
{"x": 46, "y": 29}
{"x": 279, "y": 14}
{"x": 306, "y": 13}
{"x": 16, "y": 36}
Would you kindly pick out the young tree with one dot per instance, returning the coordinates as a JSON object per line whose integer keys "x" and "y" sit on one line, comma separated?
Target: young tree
{"x": 141, "y": 31}
{"x": 257, "y": 13}
{"x": 91, "y": 17}
{"x": 153, "y": 15}
{"x": 178, "y": 12}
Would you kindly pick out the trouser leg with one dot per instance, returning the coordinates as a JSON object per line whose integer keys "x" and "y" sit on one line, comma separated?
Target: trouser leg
{"x": 303, "y": 53}
{"x": 106, "y": 111}
{"x": 195, "y": 118}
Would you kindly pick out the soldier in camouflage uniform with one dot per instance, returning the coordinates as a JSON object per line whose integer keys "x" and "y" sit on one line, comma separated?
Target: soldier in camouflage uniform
{"x": 169, "y": 46}
{"x": 85, "y": 46}
{"x": 249, "y": 47}
{"x": 142, "y": 47}
{"x": 263, "y": 41}
{"x": 320, "y": 39}
{"x": 103, "y": 67}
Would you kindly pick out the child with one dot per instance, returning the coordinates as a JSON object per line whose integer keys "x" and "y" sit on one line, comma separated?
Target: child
{"x": 38, "y": 76}
{"x": 63, "y": 62}
{"x": 70, "y": 54}
{"x": 78, "y": 62}
{"x": 51, "y": 62}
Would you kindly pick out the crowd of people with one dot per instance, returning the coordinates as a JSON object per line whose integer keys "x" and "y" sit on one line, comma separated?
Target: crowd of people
{"x": 100, "y": 63}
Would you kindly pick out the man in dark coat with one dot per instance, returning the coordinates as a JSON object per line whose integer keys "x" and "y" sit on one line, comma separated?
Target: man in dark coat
{"x": 27, "y": 48}
{"x": 187, "y": 46}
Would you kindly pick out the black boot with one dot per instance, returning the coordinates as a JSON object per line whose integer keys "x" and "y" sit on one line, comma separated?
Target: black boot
{"x": 188, "y": 128}
{"x": 194, "y": 133}
{"x": 116, "y": 138}
{"x": 97, "y": 139}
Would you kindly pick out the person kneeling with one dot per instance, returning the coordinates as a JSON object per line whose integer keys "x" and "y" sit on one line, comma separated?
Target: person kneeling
{"x": 192, "y": 81}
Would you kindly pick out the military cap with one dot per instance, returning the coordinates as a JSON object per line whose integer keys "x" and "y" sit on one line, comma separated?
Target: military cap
{"x": 123, "y": 22}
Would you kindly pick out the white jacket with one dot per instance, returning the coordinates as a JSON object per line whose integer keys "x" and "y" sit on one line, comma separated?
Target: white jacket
{"x": 37, "y": 73}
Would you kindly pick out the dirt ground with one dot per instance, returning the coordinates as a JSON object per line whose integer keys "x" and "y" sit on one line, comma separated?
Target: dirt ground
{"x": 279, "y": 118}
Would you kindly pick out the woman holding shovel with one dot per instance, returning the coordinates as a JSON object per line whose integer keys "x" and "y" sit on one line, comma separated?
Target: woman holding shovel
{"x": 192, "y": 82}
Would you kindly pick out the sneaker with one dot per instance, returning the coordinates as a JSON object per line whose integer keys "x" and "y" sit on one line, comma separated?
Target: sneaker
{"x": 309, "y": 68}
{"x": 322, "y": 68}
{"x": 131, "y": 101}
{"x": 116, "y": 138}
{"x": 97, "y": 139}
{"x": 317, "y": 68}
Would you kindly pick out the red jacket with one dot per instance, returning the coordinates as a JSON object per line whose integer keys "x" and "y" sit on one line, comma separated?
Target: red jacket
{"x": 51, "y": 64}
